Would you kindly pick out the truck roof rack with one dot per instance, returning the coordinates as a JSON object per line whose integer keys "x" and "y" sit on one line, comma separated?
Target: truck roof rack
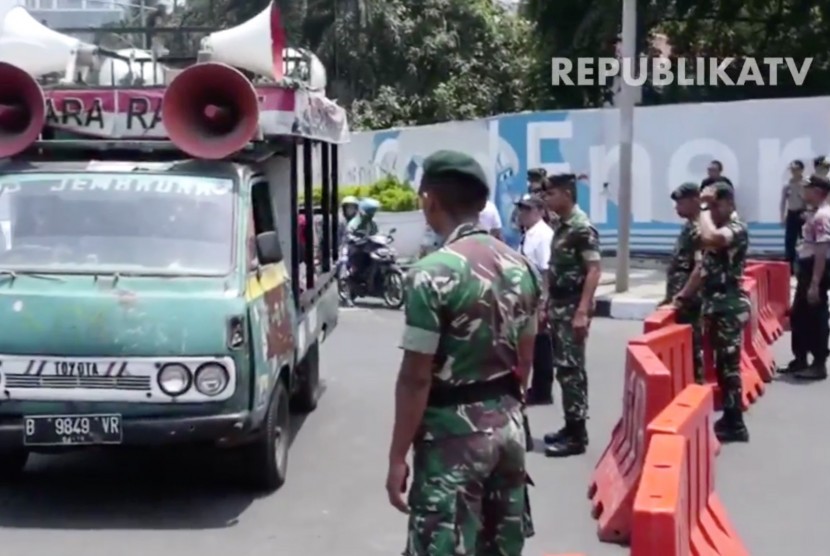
{"x": 241, "y": 90}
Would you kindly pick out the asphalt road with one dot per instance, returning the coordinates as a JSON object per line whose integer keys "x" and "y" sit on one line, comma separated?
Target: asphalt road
{"x": 334, "y": 503}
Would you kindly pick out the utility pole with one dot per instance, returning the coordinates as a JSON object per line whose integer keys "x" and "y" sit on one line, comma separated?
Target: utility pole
{"x": 627, "y": 96}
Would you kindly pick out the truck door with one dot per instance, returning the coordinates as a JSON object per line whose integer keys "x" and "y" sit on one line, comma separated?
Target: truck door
{"x": 272, "y": 311}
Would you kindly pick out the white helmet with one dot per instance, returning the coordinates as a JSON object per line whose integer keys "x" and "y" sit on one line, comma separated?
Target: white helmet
{"x": 349, "y": 200}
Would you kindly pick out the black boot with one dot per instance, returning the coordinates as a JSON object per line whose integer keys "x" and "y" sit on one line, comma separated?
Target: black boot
{"x": 794, "y": 366}
{"x": 572, "y": 442}
{"x": 816, "y": 371}
{"x": 554, "y": 437}
{"x": 730, "y": 427}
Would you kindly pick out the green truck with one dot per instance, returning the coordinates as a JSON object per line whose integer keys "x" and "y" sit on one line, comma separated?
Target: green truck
{"x": 153, "y": 287}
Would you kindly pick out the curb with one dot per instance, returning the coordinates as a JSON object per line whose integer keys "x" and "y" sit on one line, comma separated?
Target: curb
{"x": 624, "y": 309}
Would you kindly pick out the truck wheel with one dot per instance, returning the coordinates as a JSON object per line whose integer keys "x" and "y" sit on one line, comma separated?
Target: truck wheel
{"x": 12, "y": 464}
{"x": 267, "y": 458}
{"x": 307, "y": 393}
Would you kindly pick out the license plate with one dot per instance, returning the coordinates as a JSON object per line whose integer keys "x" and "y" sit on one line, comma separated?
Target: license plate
{"x": 72, "y": 430}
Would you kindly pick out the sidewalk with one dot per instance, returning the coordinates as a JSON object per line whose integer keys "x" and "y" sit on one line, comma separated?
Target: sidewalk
{"x": 646, "y": 289}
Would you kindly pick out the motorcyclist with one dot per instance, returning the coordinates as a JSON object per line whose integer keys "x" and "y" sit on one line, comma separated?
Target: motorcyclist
{"x": 359, "y": 227}
{"x": 349, "y": 208}
{"x": 364, "y": 224}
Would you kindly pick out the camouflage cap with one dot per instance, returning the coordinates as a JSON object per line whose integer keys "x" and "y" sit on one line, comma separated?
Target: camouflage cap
{"x": 686, "y": 190}
{"x": 531, "y": 201}
{"x": 537, "y": 174}
{"x": 445, "y": 162}
{"x": 819, "y": 182}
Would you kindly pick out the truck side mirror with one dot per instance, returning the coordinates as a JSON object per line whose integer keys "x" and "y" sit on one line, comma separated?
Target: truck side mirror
{"x": 268, "y": 248}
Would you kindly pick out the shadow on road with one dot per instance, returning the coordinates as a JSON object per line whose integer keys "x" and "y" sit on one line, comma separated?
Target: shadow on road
{"x": 131, "y": 489}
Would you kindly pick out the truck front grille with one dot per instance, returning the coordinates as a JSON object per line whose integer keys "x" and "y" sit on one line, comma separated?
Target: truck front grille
{"x": 139, "y": 383}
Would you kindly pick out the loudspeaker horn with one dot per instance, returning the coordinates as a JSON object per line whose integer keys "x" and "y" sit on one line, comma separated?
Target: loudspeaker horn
{"x": 210, "y": 111}
{"x": 37, "y": 49}
{"x": 22, "y": 110}
{"x": 256, "y": 45}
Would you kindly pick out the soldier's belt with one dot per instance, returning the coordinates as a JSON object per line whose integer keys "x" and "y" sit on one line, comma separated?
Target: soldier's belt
{"x": 449, "y": 396}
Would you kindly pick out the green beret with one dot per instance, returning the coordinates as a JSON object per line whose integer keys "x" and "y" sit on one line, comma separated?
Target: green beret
{"x": 441, "y": 163}
{"x": 686, "y": 190}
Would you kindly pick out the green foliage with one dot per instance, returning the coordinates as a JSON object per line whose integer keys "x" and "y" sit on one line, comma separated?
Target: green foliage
{"x": 397, "y": 63}
{"x": 393, "y": 194}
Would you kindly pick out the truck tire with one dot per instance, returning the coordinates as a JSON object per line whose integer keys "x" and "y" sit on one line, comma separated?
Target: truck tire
{"x": 266, "y": 460}
{"x": 12, "y": 464}
{"x": 307, "y": 376}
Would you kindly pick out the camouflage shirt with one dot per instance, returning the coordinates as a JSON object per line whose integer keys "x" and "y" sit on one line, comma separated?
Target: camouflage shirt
{"x": 722, "y": 273}
{"x": 575, "y": 244}
{"x": 686, "y": 254}
{"x": 468, "y": 303}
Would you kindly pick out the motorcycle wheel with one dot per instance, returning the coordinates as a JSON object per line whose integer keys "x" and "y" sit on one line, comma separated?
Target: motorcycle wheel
{"x": 393, "y": 288}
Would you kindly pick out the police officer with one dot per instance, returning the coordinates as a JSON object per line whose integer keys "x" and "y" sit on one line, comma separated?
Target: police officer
{"x": 573, "y": 276}
{"x": 725, "y": 306}
{"x": 535, "y": 180}
{"x": 468, "y": 345}
{"x": 808, "y": 318}
{"x": 686, "y": 255}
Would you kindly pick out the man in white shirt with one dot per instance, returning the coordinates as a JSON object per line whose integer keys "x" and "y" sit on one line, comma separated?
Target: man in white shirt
{"x": 489, "y": 220}
{"x": 536, "y": 246}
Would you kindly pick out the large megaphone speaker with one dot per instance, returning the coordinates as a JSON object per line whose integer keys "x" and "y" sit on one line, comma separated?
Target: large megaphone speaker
{"x": 210, "y": 111}
{"x": 22, "y": 110}
{"x": 37, "y": 49}
{"x": 255, "y": 45}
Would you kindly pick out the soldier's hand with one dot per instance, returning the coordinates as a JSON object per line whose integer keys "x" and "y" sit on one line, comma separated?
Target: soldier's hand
{"x": 396, "y": 484}
{"x": 580, "y": 325}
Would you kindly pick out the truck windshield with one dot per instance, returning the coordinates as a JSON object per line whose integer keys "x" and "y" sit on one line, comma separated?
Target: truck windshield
{"x": 116, "y": 222}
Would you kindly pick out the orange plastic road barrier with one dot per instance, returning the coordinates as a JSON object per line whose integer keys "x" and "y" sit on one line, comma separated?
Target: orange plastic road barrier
{"x": 778, "y": 290}
{"x": 668, "y": 519}
{"x": 754, "y": 343}
{"x": 672, "y": 344}
{"x": 768, "y": 320}
{"x": 648, "y": 389}
{"x": 663, "y": 316}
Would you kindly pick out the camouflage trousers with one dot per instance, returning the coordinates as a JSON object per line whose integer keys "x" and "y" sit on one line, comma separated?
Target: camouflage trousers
{"x": 468, "y": 495}
{"x": 569, "y": 362}
{"x": 689, "y": 313}
{"x": 724, "y": 331}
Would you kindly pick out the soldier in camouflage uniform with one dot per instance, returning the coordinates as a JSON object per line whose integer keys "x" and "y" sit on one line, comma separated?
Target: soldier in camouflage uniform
{"x": 470, "y": 328}
{"x": 679, "y": 281}
{"x": 573, "y": 276}
{"x": 725, "y": 242}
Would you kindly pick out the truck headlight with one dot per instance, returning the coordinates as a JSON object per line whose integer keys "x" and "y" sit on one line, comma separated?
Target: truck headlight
{"x": 211, "y": 379}
{"x": 174, "y": 379}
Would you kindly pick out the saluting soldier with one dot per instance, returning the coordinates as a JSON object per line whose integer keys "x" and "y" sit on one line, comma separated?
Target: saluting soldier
{"x": 468, "y": 345}
{"x": 725, "y": 306}
{"x": 679, "y": 283}
{"x": 573, "y": 276}
{"x": 809, "y": 316}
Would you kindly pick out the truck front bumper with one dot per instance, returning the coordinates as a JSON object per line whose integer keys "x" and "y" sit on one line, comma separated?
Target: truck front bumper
{"x": 223, "y": 430}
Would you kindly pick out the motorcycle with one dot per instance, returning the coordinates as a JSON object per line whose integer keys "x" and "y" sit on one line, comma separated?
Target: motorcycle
{"x": 371, "y": 271}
